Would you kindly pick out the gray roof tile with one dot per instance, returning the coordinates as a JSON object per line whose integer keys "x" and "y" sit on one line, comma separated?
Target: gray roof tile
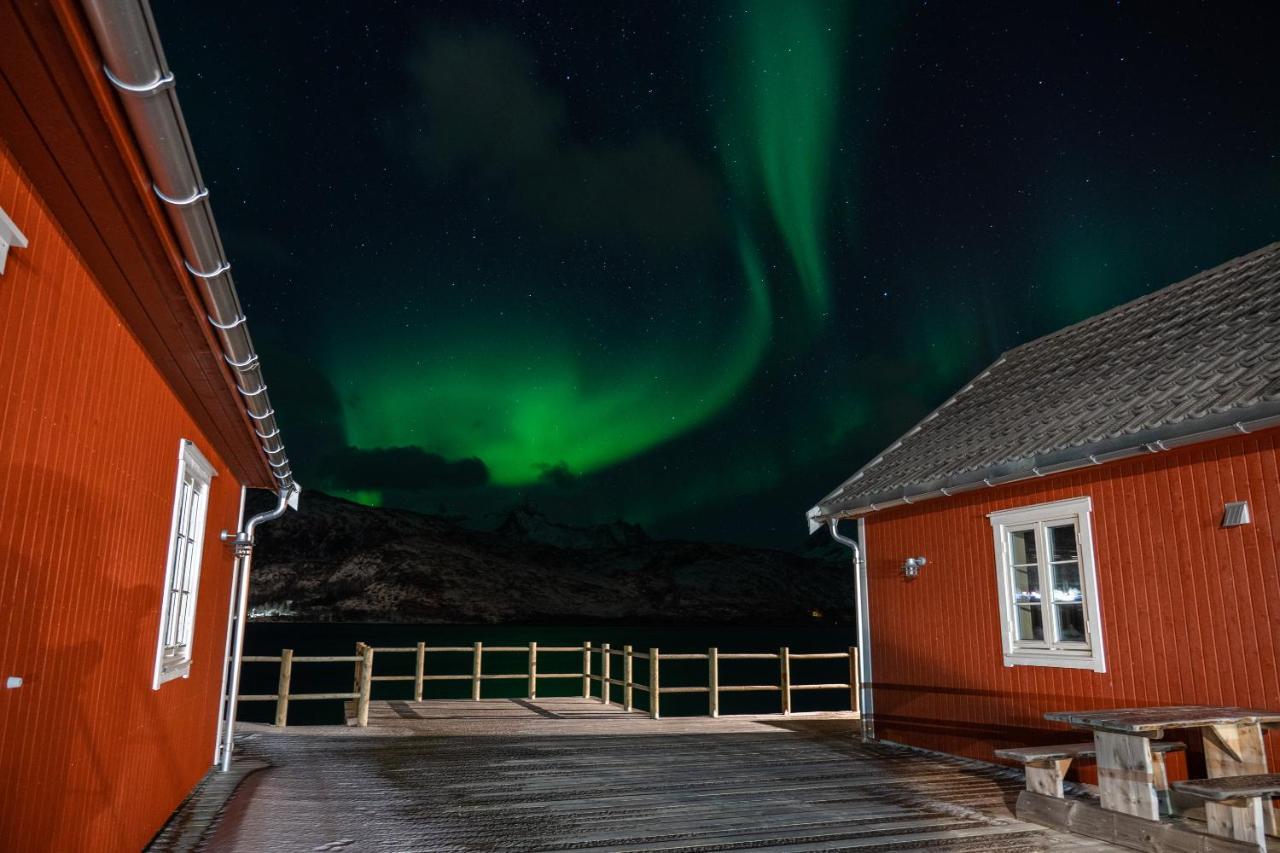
{"x": 1189, "y": 358}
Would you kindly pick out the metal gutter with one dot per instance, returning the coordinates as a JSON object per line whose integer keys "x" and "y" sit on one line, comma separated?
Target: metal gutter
{"x": 1194, "y": 431}
{"x": 136, "y": 67}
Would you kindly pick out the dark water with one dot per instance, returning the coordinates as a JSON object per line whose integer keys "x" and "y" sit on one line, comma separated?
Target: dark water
{"x": 268, "y": 638}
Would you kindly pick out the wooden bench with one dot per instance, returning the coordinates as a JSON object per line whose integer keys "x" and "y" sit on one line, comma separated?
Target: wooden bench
{"x": 1046, "y": 766}
{"x": 1248, "y": 797}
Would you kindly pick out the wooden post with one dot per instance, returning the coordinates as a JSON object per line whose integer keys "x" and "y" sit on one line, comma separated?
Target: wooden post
{"x": 355, "y": 681}
{"x": 1126, "y": 775}
{"x": 1046, "y": 777}
{"x": 1236, "y": 750}
{"x": 605, "y": 667}
{"x": 655, "y": 686}
{"x": 626, "y": 677}
{"x": 282, "y": 689}
{"x": 533, "y": 670}
{"x": 855, "y": 681}
{"x": 419, "y": 667}
{"x": 366, "y": 685}
{"x": 784, "y": 663}
{"x": 586, "y": 670}
{"x": 475, "y": 671}
{"x": 713, "y": 681}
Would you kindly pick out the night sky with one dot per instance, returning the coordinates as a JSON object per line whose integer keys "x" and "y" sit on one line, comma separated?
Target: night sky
{"x": 692, "y": 264}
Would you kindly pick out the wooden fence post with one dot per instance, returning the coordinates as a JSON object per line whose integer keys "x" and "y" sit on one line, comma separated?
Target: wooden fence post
{"x": 533, "y": 670}
{"x": 655, "y": 686}
{"x": 419, "y": 667}
{"x": 855, "y": 677}
{"x": 626, "y": 677}
{"x": 713, "y": 681}
{"x": 784, "y": 661}
{"x": 282, "y": 689}
{"x": 475, "y": 671}
{"x": 355, "y": 680}
{"x": 366, "y": 685}
{"x": 586, "y": 670}
{"x": 605, "y": 667}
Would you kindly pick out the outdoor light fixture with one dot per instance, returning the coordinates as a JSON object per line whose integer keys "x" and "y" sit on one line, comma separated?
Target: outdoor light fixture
{"x": 9, "y": 236}
{"x": 911, "y": 567}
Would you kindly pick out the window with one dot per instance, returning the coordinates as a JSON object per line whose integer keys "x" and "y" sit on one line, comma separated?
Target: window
{"x": 1048, "y": 587}
{"x": 182, "y": 570}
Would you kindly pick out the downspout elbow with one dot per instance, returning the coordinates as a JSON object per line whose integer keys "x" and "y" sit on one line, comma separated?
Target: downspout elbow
{"x": 244, "y": 538}
{"x": 833, "y": 526}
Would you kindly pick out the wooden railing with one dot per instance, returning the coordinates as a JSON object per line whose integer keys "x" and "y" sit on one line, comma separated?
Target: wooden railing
{"x": 363, "y": 660}
{"x": 282, "y": 696}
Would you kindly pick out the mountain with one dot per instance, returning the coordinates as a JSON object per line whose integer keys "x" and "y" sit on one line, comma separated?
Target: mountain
{"x": 526, "y": 522}
{"x": 337, "y": 560}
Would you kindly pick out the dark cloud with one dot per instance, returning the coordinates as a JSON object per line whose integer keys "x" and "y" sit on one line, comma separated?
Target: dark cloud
{"x": 558, "y": 476}
{"x": 401, "y": 468}
{"x": 483, "y": 114}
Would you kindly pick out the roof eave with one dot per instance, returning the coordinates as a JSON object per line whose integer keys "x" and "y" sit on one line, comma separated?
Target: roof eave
{"x": 1190, "y": 431}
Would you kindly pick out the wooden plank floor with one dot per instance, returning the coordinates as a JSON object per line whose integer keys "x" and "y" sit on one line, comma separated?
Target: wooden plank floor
{"x": 571, "y": 774}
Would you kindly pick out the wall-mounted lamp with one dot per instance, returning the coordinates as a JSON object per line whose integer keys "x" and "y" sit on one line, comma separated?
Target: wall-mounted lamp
{"x": 911, "y": 567}
{"x": 9, "y": 236}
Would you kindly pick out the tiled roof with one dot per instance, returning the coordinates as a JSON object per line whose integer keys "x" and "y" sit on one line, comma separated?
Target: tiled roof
{"x": 1198, "y": 356}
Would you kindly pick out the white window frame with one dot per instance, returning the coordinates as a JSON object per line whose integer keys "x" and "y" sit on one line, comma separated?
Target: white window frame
{"x": 182, "y": 565}
{"x": 1050, "y": 651}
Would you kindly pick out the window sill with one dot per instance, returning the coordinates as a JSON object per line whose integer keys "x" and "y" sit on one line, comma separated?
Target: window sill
{"x": 1057, "y": 660}
{"x": 172, "y": 671}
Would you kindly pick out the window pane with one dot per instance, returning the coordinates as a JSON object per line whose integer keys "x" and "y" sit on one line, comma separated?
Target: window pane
{"x": 1030, "y": 622}
{"x": 1026, "y": 584}
{"x": 1066, "y": 582}
{"x": 1071, "y": 622}
{"x": 1022, "y": 546}
{"x": 1062, "y": 542}
{"x": 171, "y": 623}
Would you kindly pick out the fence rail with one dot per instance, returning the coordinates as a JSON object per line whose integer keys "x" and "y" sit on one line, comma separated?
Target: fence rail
{"x": 363, "y": 660}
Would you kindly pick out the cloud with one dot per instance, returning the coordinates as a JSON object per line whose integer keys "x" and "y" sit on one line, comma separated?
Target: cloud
{"x": 407, "y": 468}
{"x": 482, "y": 114}
{"x": 558, "y": 476}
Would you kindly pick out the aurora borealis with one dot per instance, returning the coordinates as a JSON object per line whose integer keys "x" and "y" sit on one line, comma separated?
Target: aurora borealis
{"x": 691, "y": 264}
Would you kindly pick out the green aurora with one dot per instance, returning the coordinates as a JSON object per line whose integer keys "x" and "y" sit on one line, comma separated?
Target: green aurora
{"x": 566, "y": 409}
{"x": 689, "y": 264}
{"x": 779, "y": 137}
{"x": 533, "y": 405}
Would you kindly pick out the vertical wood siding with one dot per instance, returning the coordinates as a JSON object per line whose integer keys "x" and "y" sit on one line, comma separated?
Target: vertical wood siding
{"x": 92, "y": 758}
{"x": 1190, "y": 611}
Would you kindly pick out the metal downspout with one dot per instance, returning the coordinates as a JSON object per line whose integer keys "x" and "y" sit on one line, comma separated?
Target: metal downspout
{"x": 244, "y": 541}
{"x": 232, "y": 609}
{"x": 864, "y": 635}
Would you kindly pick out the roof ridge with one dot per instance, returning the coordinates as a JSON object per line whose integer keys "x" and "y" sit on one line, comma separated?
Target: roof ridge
{"x": 1239, "y": 260}
{"x": 1187, "y": 362}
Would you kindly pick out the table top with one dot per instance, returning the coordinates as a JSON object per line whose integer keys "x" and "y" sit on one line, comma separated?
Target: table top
{"x": 1153, "y": 721}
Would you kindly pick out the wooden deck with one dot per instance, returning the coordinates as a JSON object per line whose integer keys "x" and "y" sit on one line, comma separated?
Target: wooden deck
{"x": 572, "y": 774}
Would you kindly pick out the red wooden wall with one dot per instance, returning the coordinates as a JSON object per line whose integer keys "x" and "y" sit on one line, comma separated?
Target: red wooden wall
{"x": 1190, "y": 611}
{"x": 92, "y": 758}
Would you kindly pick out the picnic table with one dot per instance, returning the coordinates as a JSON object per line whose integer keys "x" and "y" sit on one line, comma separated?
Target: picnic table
{"x": 1233, "y": 746}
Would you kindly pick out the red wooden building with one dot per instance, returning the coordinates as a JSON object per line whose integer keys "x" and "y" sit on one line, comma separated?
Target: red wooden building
{"x": 132, "y": 416}
{"x": 1093, "y": 522}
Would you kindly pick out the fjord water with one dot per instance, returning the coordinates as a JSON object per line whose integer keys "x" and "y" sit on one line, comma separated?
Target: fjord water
{"x": 328, "y": 638}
